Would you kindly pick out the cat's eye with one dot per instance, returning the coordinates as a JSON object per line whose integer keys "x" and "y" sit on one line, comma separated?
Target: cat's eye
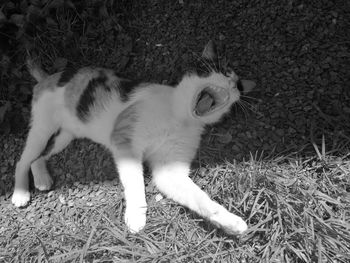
{"x": 239, "y": 85}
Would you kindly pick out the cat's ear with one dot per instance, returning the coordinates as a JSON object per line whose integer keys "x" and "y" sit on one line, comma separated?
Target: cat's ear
{"x": 209, "y": 51}
{"x": 246, "y": 85}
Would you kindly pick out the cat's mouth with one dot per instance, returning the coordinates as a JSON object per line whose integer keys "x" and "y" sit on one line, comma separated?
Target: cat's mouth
{"x": 210, "y": 99}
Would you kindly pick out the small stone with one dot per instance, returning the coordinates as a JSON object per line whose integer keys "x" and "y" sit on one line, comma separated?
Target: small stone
{"x": 62, "y": 199}
{"x": 241, "y": 135}
{"x": 47, "y": 213}
{"x": 70, "y": 203}
{"x": 107, "y": 183}
{"x": 346, "y": 109}
{"x": 249, "y": 135}
{"x": 307, "y": 108}
{"x": 235, "y": 148}
{"x": 279, "y": 104}
{"x": 221, "y": 37}
{"x": 225, "y": 138}
{"x": 291, "y": 130}
{"x": 158, "y": 197}
{"x": 280, "y": 132}
{"x": 202, "y": 171}
{"x": 310, "y": 94}
{"x": 304, "y": 69}
{"x": 334, "y": 13}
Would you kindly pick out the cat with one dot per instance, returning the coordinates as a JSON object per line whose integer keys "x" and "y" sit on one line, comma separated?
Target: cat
{"x": 137, "y": 122}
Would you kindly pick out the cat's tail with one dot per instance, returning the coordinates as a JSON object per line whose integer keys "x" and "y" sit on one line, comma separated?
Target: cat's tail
{"x": 35, "y": 69}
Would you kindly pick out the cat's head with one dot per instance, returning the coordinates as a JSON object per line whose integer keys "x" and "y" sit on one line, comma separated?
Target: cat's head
{"x": 208, "y": 92}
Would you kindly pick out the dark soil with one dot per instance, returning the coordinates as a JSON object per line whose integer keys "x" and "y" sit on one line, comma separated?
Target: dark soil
{"x": 298, "y": 53}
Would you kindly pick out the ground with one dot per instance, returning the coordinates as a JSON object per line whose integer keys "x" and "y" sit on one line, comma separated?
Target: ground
{"x": 281, "y": 160}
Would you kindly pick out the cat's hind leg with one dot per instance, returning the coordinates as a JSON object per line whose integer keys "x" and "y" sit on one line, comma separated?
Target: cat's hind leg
{"x": 171, "y": 178}
{"x": 57, "y": 142}
{"x": 37, "y": 139}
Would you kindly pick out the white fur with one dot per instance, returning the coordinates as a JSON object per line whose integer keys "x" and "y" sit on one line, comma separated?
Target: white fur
{"x": 166, "y": 134}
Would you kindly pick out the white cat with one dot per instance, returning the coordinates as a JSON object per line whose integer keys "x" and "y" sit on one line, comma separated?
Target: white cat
{"x": 136, "y": 121}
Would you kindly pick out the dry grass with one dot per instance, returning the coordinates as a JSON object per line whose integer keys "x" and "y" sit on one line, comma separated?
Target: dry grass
{"x": 298, "y": 210}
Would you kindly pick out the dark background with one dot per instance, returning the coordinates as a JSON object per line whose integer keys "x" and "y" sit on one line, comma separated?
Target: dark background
{"x": 296, "y": 51}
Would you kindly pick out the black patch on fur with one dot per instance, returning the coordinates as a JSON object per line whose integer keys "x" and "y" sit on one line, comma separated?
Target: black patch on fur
{"x": 50, "y": 143}
{"x": 87, "y": 99}
{"x": 126, "y": 88}
{"x": 240, "y": 86}
{"x": 66, "y": 76}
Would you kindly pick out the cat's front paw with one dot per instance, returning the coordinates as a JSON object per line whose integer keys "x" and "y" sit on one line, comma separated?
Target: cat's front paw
{"x": 230, "y": 223}
{"x": 20, "y": 198}
{"x": 135, "y": 219}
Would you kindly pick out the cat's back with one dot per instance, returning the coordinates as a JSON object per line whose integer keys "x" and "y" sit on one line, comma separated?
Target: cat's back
{"x": 87, "y": 87}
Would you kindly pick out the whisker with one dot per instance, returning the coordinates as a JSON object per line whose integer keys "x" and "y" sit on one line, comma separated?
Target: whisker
{"x": 248, "y": 109}
{"x": 248, "y": 105}
{"x": 249, "y": 97}
{"x": 205, "y": 63}
{"x": 208, "y": 65}
{"x": 215, "y": 65}
{"x": 244, "y": 110}
{"x": 218, "y": 62}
